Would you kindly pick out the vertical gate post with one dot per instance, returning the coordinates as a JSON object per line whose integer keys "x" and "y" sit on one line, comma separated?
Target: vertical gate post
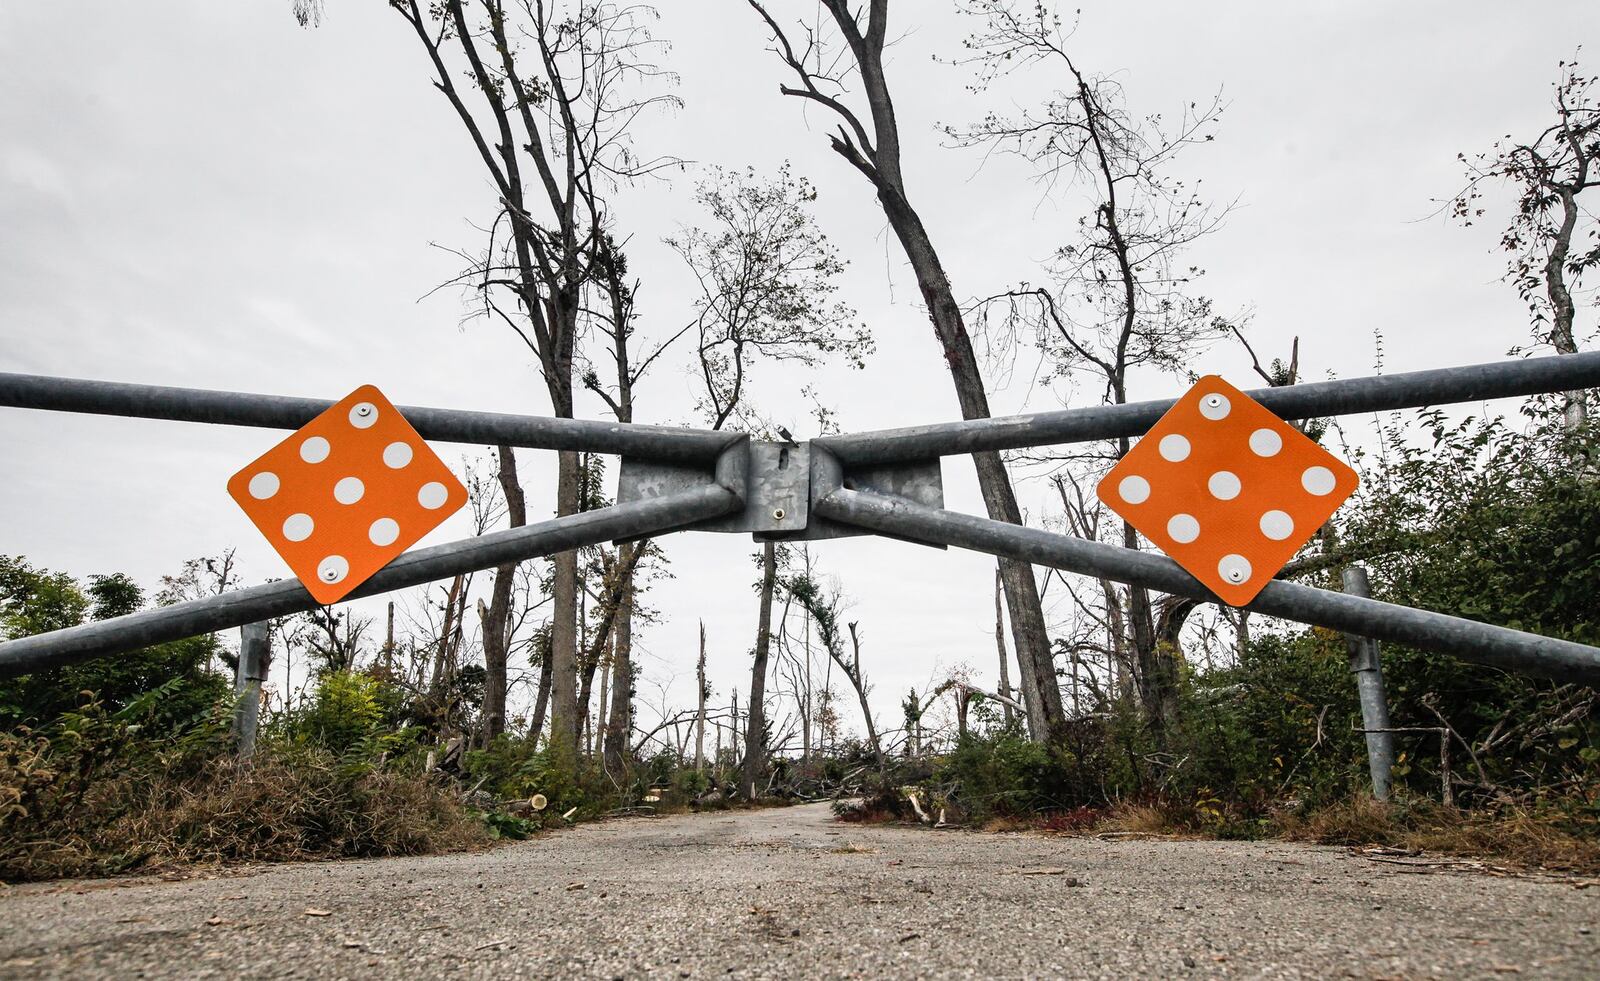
{"x": 1365, "y": 665}
{"x": 247, "y": 687}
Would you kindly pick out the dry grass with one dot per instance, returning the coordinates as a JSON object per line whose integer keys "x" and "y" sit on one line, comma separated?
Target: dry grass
{"x": 1509, "y": 836}
{"x": 1512, "y": 836}
{"x": 1145, "y": 819}
{"x": 277, "y": 808}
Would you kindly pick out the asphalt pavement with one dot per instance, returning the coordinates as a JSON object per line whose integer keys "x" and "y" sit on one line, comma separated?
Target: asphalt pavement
{"x": 790, "y": 893}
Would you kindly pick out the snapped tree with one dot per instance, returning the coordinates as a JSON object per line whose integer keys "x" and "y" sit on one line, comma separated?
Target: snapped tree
{"x": 767, "y": 280}
{"x": 870, "y": 143}
{"x": 551, "y": 93}
{"x": 1120, "y": 301}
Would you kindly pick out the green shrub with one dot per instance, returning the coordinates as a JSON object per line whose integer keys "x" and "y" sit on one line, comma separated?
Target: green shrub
{"x": 1006, "y": 774}
{"x": 513, "y": 768}
{"x": 34, "y": 600}
{"x": 345, "y": 710}
{"x": 92, "y": 794}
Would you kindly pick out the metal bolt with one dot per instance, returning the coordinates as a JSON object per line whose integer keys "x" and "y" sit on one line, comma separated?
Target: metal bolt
{"x": 778, "y": 513}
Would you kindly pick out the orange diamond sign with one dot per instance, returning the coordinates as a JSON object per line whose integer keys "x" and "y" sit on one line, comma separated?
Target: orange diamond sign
{"x": 1227, "y": 489}
{"x": 347, "y": 493}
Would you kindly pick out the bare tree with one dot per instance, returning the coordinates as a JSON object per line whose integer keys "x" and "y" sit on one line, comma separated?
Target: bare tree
{"x": 755, "y": 738}
{"x": 552, "y": 91}
{"x": 1547, "y": 174}
{"x": 1121, "y": 300}
{"x": 308, "y": 13}
{"x": 616, "y": 321}
{"x": 210, "y": 575}
{"x": 871, "y": 144}
{"x": 795, "y": 666}
{"x": 333, "y": 638}
{"x": 1000, "y": 645}
{"x": 493, "y": 498}
{"x": 495, "y": 619}
{"x": 823, "y": 608}
{"x": 609, "y": 583}
{"x": 767, "y": 280}
{"x": 700, "y": 703}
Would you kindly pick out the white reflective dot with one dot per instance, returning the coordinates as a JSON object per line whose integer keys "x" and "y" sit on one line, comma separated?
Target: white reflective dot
{"x": 397, "y": 455}
{"x": 298, "y": 527}
{"x": 432, "y": 495}
{"x": 383, "y": 532}
{"x": 333, "y": 568}
{"x": 349, "y": 490}
{"x": 1277, "y": 525}
{"x": 363, "y": 415}
{"x": 1265, "y": 442}
{"x": 1134, "y": 490}
{"x": 314, "y": 450}
{"x": 1215, "y": 406}
{"x": 263, "y": 485}
{"x": 1318, "y": 481}
{"x": 1183, "y": 528}
{"x": 1234, "y": 569}
{"x": 1174, "y": 448}
{"x": 1224, "y": 485}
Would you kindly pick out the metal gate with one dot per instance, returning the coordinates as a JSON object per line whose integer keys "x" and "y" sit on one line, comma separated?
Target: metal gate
{"x": 885, "y": 483}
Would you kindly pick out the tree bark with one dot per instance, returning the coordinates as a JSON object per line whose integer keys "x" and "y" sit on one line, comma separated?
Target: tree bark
{"x": 541, "y": 703}
{"x": 860, "y": 685}
{"x": 1000, "y": 644}
{"x": 700, "y": 704}
{"x": 619, "y": 726}
{"x": 603, "y": 703}
{"x": 878, "y": 158}
{"x": 807, "y": 706}
{"x": 563, "y": 659}
{"x": 496, "y": 618}
{"x": 1575, "y": 408}
{"x": 755, "y": 738}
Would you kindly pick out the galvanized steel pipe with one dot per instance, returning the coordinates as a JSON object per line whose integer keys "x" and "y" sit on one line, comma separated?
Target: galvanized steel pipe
{"x": 1466, "y": 639}
{"x": 1366, "y": 664}
{"x": 284, "y": 412}
{"x": 241, "y": 606}
{"x": 1379, "y": 393}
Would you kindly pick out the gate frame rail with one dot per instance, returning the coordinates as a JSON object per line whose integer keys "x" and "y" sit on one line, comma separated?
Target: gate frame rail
{"x": 874, "y": 482}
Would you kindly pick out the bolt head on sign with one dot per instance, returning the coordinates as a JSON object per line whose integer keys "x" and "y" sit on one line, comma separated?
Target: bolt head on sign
{"x": 347, "y": 493}
{"x": 1227, "y": 489}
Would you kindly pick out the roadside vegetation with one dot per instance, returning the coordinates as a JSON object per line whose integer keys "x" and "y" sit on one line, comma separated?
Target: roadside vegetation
{"x": 131, "y": 764}
{"x": 1481, "y": 519}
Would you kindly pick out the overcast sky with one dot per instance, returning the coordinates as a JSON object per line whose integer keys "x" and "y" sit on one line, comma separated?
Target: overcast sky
{"x": 203, "y": 194}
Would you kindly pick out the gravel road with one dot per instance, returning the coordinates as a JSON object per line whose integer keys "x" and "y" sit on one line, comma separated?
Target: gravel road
{"x": 791, "y": 893}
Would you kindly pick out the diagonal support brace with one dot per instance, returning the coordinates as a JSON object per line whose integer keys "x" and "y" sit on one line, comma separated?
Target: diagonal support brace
{"x": 1469, "y": 640}
{"x": 241, "y": 606}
